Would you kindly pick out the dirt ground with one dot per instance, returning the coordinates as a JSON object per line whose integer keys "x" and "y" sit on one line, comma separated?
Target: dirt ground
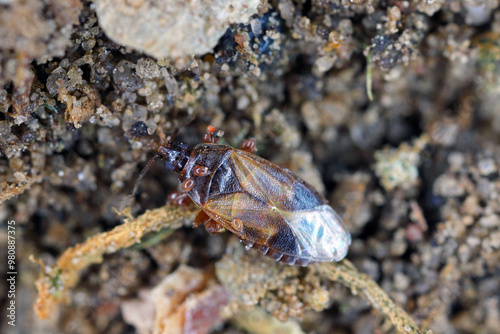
{"x": 390, "y": 109}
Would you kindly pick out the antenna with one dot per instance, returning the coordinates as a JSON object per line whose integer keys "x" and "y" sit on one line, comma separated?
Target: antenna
{"x": 137, "y": 183}
{"x": 143, "y": 172}
{"x": 179, "y": 128}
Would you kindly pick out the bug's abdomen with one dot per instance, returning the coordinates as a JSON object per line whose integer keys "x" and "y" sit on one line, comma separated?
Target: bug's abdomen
{"x": 279, "y": 256}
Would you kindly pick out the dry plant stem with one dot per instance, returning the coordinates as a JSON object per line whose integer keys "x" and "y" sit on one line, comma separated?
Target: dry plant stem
{"x": 369, "y": 77}
{"x": 13, "y": 189}
{"x": 54, "y": 282}
{"x": 345, "y": 273}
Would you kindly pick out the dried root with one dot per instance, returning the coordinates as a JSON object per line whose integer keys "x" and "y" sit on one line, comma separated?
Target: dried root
{"x": 9, "y": 190}
{"x": 288, "y": 291}
{"x": 55, "y": 282}
{"x": 345, "y": 273}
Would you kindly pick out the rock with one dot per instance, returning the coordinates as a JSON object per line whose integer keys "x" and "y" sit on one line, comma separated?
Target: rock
{"x": 171, "y": 28}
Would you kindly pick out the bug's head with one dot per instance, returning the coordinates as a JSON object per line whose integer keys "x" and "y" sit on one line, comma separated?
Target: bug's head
{"x": 175, "y": 155}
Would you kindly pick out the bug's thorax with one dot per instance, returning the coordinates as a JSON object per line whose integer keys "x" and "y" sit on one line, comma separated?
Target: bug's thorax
{"x": 201, "y": 173}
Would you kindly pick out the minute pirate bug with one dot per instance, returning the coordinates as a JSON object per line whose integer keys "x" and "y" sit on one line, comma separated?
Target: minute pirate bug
{"x": 267, "y": 207}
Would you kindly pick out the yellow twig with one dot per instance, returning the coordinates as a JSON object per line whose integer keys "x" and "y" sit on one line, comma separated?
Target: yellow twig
{"x": 345, "y": 273}
{"x": 54, "y": 282}
{"x": 369, "y": 74}
{"x": 9, "y": 190}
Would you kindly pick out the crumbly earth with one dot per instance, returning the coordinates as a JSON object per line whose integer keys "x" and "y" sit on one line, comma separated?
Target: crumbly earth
{"x": 389, "y": 108}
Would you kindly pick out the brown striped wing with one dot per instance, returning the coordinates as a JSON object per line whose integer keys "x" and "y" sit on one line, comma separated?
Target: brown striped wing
{"x": 278, "y": 210}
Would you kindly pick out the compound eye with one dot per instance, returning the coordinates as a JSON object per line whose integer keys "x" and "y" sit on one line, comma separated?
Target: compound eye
{"x": 183, "y": 146}
{"x": 169, "y": 166}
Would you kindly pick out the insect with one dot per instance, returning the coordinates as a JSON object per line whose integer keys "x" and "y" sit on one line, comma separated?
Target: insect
{"x": 267, "y": 207}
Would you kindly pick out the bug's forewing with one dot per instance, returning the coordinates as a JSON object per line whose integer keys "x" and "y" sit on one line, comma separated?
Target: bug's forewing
{"x": 320, "y": 232}
{"x": 281, "y": 211}
{"x": 261, "y": 224}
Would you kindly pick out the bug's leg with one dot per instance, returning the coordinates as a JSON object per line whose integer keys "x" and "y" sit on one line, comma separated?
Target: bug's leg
{"x": 179, "y": 199}
{"x": 211, "y": 136}
{"x": 213, "y": 227}
{"x": 208, "y": 137}
{"x": 201, "y": 218}
{"x": 249, "y": 145}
